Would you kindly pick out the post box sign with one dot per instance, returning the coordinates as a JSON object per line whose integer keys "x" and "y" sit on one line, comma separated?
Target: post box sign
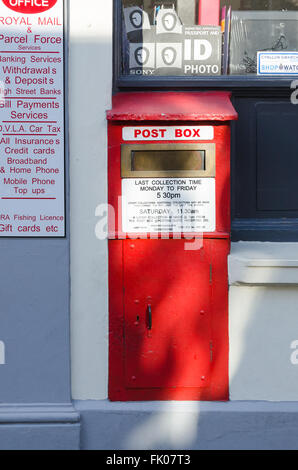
{"x": 32, "y": 118}
{"x": 168, "y": 133}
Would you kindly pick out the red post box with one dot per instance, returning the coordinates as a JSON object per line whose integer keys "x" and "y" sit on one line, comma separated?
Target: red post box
{"x": 169, "y": 238}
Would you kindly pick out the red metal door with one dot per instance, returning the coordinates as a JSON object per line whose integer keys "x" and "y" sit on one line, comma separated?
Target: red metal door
{"x": 173, "y": 287}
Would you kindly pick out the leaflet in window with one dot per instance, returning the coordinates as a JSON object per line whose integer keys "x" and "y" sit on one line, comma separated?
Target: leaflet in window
{"x": 260, "y": 31}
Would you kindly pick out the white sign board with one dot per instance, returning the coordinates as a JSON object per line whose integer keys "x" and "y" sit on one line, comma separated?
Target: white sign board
{"x": 175, "y": 205}
{"x": 277, "y": 63}
{"x": 168, "y": 133}
{"x": 32, "y": 119}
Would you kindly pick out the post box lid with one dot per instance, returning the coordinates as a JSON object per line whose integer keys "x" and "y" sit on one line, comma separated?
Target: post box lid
{"x": 172, "y": 106}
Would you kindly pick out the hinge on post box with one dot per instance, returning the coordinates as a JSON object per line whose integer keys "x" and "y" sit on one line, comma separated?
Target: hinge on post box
{"x": 211, "y": 351}
{"x": 210, "y": 272}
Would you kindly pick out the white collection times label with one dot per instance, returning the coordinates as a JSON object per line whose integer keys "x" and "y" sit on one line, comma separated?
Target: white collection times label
{"x": 168, "y": 205}
{"x": 32, "y": 119}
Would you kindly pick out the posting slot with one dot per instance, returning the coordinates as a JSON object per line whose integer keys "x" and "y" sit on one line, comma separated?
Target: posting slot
{"x": 188, "y": 160}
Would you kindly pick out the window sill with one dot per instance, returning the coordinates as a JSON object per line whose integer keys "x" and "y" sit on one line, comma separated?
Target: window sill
{"x": 265, "y": 230}
{"x": 227, "y": 82}
{"x": 257, "y": 263}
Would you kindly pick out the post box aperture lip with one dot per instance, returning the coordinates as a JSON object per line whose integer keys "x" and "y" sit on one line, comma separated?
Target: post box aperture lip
{"x": 168, "y": 160}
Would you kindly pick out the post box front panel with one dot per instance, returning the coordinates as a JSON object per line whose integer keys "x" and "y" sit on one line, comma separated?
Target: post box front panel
{"x": 168, "y": 295}
{"x": 167, "y": 315}
{"x": 183, "y": 182}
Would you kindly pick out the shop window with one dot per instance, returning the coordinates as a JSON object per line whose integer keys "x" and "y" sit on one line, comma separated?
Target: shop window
{"x": 208, "y": 38}
{"x": 249, "y": 47}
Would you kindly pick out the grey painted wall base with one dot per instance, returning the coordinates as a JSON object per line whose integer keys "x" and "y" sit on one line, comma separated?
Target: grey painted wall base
{"x": 92, "y": 425}
{"x": 176, "y": 425}
{"x": 39, "y": 427}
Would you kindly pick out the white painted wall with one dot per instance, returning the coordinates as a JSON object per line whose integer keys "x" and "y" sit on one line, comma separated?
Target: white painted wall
{"x": 263, "y": 321}
{"x": 90, "y": 92}
{"x": 263, "y": 277}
